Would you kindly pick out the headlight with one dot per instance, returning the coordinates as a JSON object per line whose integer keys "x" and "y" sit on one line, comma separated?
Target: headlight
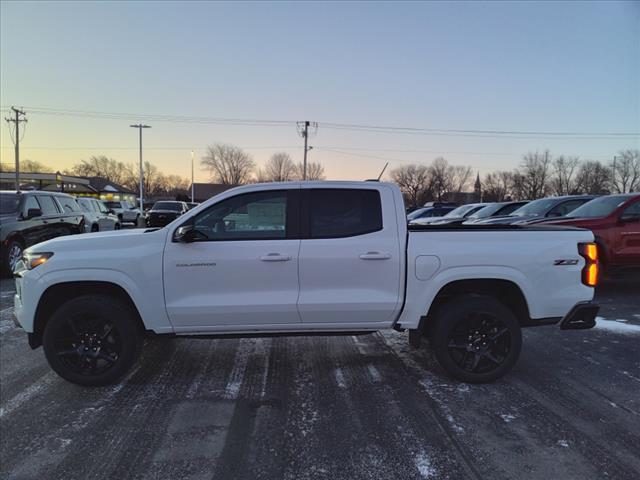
{"x": 32, "y": 260}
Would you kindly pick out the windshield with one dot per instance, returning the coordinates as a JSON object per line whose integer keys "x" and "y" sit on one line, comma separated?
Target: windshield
{"x": 599, "y": 207}
{"x": 487, "y": 211}
{"x": 463, "y": 211}
{"x": 416, "y": 213}
{"x": 176, "y": 207}
{"x": 9, "y": 203}
{"x": 536, "y": 208}
{"x": 112, "y": 204}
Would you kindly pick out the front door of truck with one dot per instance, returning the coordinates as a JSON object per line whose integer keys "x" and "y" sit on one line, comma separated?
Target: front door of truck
{"x": 242, "y": 267}
{"x": 350, "y": 256}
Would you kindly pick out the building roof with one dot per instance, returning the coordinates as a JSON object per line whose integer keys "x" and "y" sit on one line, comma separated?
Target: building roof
{"x": 103, "y": 185}
{"x": 204, "y": 191}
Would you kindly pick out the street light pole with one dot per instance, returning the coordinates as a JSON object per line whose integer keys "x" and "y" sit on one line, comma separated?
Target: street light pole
{"x": 192, "y": 196}
{"x": 140, "y": 126}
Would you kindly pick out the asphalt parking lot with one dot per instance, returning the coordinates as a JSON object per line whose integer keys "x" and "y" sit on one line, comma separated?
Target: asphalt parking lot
{"x": 332, "y": 408}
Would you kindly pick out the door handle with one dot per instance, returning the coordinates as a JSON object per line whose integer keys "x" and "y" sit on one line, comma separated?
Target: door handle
{"x": 275, "y": 257}
{"x": 375, "y": 256}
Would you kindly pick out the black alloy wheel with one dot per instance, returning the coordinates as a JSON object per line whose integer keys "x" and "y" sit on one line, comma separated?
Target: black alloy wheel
{"x": 88, "y": 346}
{"x": 476, "y": 338}
{"x": 479, "y": 343}
{"x": 93, "y": 339}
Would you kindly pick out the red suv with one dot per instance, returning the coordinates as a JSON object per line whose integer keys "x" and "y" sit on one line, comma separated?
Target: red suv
{"x": 615, "y": 223}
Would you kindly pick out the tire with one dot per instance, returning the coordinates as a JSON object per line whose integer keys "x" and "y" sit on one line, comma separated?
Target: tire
{"x": 476, "y": 339}
{"x": 116, "y": 226}
{"x": 95, "y": 228}
{"x": 12, "y": 253}
{"x": 92, "y": 340}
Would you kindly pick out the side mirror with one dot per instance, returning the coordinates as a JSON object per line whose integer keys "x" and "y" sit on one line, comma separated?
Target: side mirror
{"x": 185, "y": 234}
{"x": 33, "y": 212}
{"x": 111, "y": 211}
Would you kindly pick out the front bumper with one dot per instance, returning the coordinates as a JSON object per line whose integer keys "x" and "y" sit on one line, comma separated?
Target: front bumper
{"x": 581, "y": 317}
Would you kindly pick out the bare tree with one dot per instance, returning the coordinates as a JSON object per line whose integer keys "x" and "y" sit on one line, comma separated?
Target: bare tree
{"x": 414, "y": 182}
{"x": 593, "y": 178}
{"x": 105, "y": 167}
{"x": 497, "y": 186}
{"x": 441, "y": 177}
{"x": 626, "y": 171}
{"x": 562, "y": 181}
{"x": 228, "y": 164}
{"x": 460, "y": 178}
{"x": 28, "y": 166}
{"x": 315, "y": 171}
{"x": 175, "y": 185}
{"x": 279, "y": 168}
{"x": 534, "y": 174}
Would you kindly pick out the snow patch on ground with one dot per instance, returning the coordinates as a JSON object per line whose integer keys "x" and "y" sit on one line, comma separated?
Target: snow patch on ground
{"x": 423, "y": 464}
{"x": 27, "y": 394}
{"x": 340, "y": 378}
{"x": 6, "y": 320}
{"x": 374, "y": 373}
{"x": 507, "y": 417}
{"x": 245, "y": 348}
{"x": 617, "y": 326}
{"x": 563, "y": 443}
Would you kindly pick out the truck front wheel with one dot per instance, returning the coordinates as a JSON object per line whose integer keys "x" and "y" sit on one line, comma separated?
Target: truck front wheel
{"x": 476, "y": 339}
{"x": 92, "y": 340}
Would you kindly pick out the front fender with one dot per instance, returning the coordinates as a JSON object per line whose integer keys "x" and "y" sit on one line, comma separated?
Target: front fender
{"x": 147, "y": 296}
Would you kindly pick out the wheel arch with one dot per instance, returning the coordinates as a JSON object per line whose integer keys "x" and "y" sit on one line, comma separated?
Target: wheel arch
{"x": 506, "y": 291}
{"x": 56, "y": 295}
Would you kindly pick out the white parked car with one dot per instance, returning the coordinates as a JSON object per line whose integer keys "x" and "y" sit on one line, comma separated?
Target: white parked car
{"x": 457, "y": 213}
{"x": 97, "y": 217}
{"x": 125, "y": 211}
{"x": 304, "y": 258}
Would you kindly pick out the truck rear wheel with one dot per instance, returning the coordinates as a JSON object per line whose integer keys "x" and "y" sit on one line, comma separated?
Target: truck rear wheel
{"x": 92, "y": 340}
{"x": 476, "y": 339}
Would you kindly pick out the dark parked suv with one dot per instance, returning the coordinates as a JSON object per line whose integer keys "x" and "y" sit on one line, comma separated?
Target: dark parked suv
{"x": 165, "y": 212}
{"x": 31, "y": 217}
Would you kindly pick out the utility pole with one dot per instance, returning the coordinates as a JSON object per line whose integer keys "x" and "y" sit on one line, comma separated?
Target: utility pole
{"x": 17, "y": 120}
{"x": 306, "y": 149}
{"x": 192, "y": 188}
{"x": 140, "y": 126}
{"x": 304, "y": 133}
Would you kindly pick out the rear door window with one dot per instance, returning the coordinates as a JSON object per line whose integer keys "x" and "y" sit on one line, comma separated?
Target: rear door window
{"x": 31, "y": 203}
{"x": 48, "y": 205}
{"x": 337, "y": 212}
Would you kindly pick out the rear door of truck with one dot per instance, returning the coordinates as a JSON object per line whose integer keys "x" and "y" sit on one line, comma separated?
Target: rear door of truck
{"x": 350, "y": 255}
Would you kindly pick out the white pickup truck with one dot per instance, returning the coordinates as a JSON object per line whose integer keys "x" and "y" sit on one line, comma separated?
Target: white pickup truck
{"x": 311, "y": 258}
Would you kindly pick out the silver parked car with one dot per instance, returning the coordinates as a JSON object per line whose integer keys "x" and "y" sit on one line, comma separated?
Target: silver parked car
{"x": 97, "y": 217}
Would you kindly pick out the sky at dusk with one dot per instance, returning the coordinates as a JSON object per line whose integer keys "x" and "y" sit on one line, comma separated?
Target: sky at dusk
{"x": 531, "y": 67}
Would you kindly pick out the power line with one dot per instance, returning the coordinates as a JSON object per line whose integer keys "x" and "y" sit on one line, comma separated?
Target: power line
{"x": 348, "y": 126}
{"x": 332, "y": 125}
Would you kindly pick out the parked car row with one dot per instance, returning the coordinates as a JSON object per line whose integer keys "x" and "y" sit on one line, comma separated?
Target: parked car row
{"x": 613, "y": 219}
{"x": 32, "y": 217}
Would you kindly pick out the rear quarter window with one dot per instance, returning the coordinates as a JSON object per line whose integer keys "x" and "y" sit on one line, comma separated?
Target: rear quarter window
{"x": 335, "y": 212}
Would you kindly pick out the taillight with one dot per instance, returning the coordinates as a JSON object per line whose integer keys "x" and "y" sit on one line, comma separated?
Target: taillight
{"x": 589, "y": 251}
